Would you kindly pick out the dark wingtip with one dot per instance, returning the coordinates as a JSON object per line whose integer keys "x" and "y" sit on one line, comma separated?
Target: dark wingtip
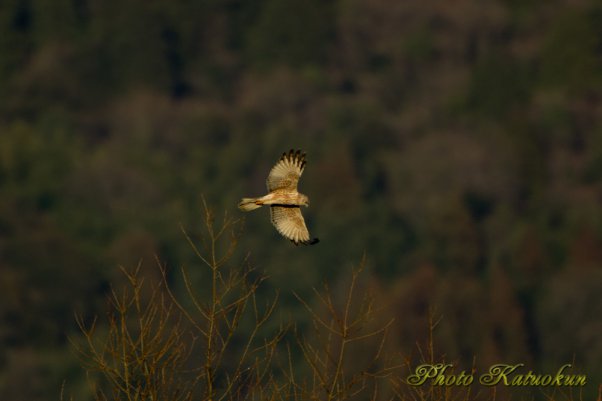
{"x": 310, "y": 242}
{"x": 295, "y": 156}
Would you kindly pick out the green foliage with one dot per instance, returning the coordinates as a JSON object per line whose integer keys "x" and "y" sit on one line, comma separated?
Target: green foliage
{"x": 568, "y": 58}
{"x": 294, "y": 32}
{"x": 499, "y": 85}
{"x": 16, "y": 39}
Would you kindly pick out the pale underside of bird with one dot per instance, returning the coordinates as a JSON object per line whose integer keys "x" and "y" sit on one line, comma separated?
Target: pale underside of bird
{"x": 284, "y": 200}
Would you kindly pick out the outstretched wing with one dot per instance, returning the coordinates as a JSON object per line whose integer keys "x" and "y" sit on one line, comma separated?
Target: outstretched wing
{"x": 285, "y": 174}
{"x": 289, "y": 222}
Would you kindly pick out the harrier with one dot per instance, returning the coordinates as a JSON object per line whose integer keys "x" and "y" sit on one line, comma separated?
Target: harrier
{"x": 284, "y": 200}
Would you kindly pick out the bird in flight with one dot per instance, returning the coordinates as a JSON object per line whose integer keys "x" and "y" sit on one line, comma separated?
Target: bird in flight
{"x": 284, "y": 200}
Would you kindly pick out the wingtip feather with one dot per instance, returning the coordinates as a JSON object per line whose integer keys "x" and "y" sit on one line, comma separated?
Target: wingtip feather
{"x": 308, "y": 242}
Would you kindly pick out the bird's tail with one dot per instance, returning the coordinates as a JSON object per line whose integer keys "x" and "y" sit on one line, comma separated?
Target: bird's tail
{"x": 248, "y": 204}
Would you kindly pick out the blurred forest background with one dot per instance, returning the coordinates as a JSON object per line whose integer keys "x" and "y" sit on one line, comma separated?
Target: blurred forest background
{"x": 458, "y": 144}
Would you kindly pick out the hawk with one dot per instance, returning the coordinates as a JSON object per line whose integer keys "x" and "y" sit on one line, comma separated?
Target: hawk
{"x": 284, "y": 200}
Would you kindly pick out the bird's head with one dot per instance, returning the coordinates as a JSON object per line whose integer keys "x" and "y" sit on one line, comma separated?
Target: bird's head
{"x": 304, "y": 200}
